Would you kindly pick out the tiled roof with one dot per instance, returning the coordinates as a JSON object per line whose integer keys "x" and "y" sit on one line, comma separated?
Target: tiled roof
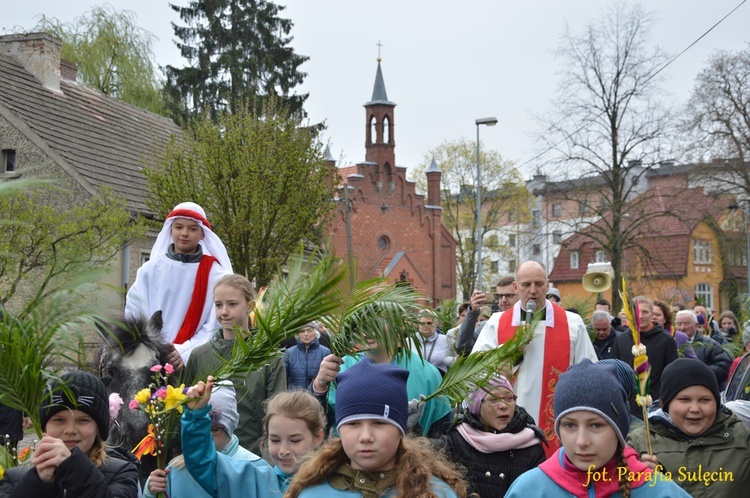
{"x": 106, "y": 141}
{"x": 665, "y": 244}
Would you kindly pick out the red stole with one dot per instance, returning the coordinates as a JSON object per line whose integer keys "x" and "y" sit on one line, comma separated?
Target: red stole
{"x": 556, "y": 361}
{"x": 197, "y": 302}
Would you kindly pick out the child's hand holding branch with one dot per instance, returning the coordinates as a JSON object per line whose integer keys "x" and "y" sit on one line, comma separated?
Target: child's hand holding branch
{"x": 200, "y": 394}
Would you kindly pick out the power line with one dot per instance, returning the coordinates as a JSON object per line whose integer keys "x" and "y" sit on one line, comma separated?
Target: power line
{"x": 670, "y": 61}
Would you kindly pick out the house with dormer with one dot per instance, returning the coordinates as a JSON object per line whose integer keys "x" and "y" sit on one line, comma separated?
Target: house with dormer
{"x": 692, "y": 253}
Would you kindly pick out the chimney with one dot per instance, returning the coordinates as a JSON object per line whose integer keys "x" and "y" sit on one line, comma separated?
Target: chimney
{"x": 68, "y": 70}
{"x": 433, "y": 184}
{"x": 38, "y": 53}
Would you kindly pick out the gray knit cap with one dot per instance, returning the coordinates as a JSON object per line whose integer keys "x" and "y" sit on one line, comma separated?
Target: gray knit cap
{"x": 584, "y": 386}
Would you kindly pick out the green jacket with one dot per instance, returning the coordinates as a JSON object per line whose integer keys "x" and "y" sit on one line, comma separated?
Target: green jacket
{"x": 259, "y": 385}
{"x": 703, "y": 465}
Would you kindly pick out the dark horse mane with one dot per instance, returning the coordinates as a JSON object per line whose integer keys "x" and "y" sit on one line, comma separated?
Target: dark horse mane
{"x": 128, "y": 333}
{"x": 132, "y": 345}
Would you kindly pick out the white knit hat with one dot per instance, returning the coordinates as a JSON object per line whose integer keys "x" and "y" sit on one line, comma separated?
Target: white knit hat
{"x": 224, "y": 407}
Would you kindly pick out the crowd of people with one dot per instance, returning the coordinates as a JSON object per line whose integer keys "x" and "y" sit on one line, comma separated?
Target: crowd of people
{"x": 562, "y": 421}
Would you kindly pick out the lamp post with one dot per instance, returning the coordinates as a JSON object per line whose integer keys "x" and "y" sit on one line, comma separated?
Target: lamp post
{"x": 489, "y": 122}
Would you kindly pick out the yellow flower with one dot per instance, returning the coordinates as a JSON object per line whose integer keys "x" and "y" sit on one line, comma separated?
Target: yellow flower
{"x": 174, "y": 399}
{"x": 2, "y": 471}
{"x": 143, "y": 396}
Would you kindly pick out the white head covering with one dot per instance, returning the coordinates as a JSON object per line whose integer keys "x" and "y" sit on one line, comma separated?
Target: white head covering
{"x": 211, "y": 243}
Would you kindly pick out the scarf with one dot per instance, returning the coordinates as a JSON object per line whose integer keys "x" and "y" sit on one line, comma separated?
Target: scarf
{"x": 197, "y": 301}
{"x": 571, "y": 479}
{"x": 487, "y": 442}
{"x": 371, "y": 485}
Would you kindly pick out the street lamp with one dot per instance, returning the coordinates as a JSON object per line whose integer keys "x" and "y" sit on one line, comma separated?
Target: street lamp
{"x": 489, "y": 122}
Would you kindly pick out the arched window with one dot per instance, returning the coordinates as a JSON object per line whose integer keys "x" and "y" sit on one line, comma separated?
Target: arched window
{"x": 387, "y": 132}
{"x": 372, "y": 130}
{"x": 704, "y": 294}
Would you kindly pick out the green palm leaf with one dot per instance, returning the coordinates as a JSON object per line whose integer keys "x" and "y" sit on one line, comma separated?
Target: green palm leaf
{"x": 474, "y": 371}
{"x": 373, "y": 310}
{"x": 306, "y": 292}
{"x": 37, "y": 347}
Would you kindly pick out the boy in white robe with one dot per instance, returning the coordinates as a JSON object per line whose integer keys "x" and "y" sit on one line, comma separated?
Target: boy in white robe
{"x": 186, "y": 262}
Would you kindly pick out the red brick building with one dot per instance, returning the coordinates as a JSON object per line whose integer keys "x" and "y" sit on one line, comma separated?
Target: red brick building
{"x": 393, "y": 231}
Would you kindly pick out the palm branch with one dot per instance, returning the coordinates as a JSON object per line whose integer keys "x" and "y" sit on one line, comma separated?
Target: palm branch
{"x": 641, "y": 366}
{"x": 306, "y": 292}
{"x": 37, "y": 347}
{"x": 447, "y": 312}
{"x": 474, "y": 371}
{"x": 373, "y": 310}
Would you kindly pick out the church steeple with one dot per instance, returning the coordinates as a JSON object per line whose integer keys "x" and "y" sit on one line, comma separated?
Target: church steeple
{"x": 379, "y": 133}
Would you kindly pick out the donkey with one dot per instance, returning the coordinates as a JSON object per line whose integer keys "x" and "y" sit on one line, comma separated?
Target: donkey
{"x": 131, "y": 347}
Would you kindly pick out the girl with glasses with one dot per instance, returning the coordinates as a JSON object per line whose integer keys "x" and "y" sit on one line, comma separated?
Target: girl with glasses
{"x": 497, "y": 440}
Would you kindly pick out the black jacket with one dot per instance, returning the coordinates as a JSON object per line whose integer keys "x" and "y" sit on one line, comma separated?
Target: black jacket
{"x": 712, "y": 354}
{"x": 489, "y": 475}
{"x": 75, "y": 477}
{"x": 661, "y": 350}
{"x": 604, "y": 348}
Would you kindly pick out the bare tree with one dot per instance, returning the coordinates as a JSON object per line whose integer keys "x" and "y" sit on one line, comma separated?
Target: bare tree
{"x": 607, "y": 124}
{"x": 718, "y": 119}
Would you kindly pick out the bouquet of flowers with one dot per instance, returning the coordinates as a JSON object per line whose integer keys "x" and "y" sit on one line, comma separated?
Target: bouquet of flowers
{"x": 162, "y": 403}
{"x": 10, "y": 456}
{"x": 640, "y": 358}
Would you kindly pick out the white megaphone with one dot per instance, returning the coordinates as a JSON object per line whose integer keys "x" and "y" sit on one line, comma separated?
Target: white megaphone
{"x": 598, "y": 277}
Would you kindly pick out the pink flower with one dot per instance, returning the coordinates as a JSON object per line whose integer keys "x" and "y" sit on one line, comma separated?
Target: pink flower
{"x": 161, "y": 393}
{"x": 168, "y": 368}
{"x": 133, "y": 405}
{"x": 156, "y": 368}
{"x": 115, "y": 403}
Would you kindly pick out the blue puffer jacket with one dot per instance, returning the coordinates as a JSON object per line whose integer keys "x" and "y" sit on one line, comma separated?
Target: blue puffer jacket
{"x": 303, "y": 363}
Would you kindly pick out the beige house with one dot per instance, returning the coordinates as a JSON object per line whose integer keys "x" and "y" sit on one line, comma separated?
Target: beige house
{"x": 53, "y": 127}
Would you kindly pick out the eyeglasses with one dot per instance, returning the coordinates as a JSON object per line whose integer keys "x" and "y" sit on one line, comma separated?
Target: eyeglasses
{"x": 504, "y": 296}
{"x": 501, "y": 400}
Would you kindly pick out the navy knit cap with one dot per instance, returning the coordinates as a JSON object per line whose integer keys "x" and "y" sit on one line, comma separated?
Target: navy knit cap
{"x": 584, "y": 386}
{"x": 372, "y": 391}
{"x": 86, "y": 393}
{"x": 625, "y": 374}
{"x": 683, "y": 373}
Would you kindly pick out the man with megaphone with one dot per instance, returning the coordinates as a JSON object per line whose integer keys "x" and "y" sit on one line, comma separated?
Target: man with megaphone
{"x": 560, "y": 339}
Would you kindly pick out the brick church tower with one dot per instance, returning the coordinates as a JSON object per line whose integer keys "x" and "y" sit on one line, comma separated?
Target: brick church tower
{"x": 389, "y": 228}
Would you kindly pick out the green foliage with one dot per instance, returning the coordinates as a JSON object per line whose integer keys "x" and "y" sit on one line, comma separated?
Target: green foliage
{"x": 447, "y": 314}
{"x": 373, "y": 310}
{"x": 317, "y": 287}
{"x": 260, "y": 177}
{"x": 112, "y": 53}
{"x": 239, "y": 54}
{"x": 584, "y": 305}
{"x": 35, "y": 348}
{"x": 44, "y": 246}
{"x": 503, "y": 191}
{"x": 474, "y": 371}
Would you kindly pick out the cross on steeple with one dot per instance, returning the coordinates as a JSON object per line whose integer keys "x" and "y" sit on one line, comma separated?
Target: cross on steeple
{"x": 379, "y": 45}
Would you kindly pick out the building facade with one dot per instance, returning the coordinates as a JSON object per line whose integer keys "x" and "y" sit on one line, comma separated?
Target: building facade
{"x": 382, "y": 222}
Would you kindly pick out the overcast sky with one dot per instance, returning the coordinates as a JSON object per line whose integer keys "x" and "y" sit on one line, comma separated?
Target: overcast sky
{"x": 445, "y": 63}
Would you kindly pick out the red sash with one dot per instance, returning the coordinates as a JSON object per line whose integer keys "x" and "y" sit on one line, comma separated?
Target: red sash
{"x": 197, "y": 302}
{"x": 556, "y": 361}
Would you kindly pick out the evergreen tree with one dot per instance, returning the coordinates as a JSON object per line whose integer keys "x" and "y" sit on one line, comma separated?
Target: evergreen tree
{"x": 238, "y": 55}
